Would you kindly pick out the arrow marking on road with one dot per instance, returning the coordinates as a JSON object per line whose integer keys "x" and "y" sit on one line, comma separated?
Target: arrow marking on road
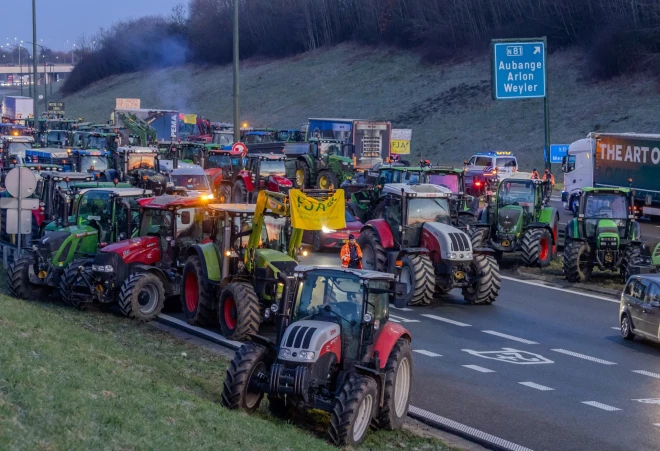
{"x": 400, "y": 319}
{"x": 481, "y": 369}
{"x": 427, "y": 353}
{"x": 403, "y": 309}
{"x": 600, "y": 405}
{"x": 647, "y": 373}
{"x": 447, "y": 320}
{"x": 510, "y": 355}
{"x": 510, "y": 337}
{"x": 536, "y": 386}
{"x": 536, "y": 284}
{"x": 583, "y": 356}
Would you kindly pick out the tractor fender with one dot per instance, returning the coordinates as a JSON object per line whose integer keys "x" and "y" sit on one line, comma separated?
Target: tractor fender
{"x": 244, "y": 175}
{"x": 636, "y": 231}
{"x": 393, "y": 257}
{"x": 265, "y": 342}
{"x": 482, "y": 250}
{"x": 209, "y": 259}
{"x": 386, "y": 339}
{"x": 164, "y": 279}
{"x": 382, "y": 229}
{"x": 573, "y": 229}
{"x": 377, "y": 376}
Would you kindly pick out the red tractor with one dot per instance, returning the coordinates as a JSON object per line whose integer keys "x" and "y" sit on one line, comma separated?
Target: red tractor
{"x": 222, "y": 167}
{"x": 262, "y": 172}
{"x": 336, "y": 350}
{"x": 140, "y": 273}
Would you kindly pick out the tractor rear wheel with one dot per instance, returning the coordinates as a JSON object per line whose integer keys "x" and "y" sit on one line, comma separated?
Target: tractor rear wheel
{"x": 373, "y": 253}
{"x": 398, "y": 382}
{"x": 327, "y": 180}
{"x": 196, "y": 302}
{"x": 487, "y": 285}
{"x": 536, "y": 248}
{"x": 248, "y": 362}
{"x": 239, "y": 193}
{"x": 224, "y": 193}
{"x": 238, "y": 311}
{"x": 142, "y": 296}
{"x": 478, "y": 237}
{"x": 419, "y": 276}
{"x": 632, "y": 254}
{"x": 69, "y": 279}
{"x": 18, "y": 277}
{"x": 353, "y": 411}
{"x": 577, "y": 261}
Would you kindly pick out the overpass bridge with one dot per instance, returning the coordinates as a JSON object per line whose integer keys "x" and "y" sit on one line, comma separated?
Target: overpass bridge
{"x": 54, "y": 69}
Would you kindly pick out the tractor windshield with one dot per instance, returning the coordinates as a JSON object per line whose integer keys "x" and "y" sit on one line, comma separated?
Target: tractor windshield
{"x": 224, "y": 139}
{"x": 192, "y": 182}
{"x": 449, "y": 181}
{"x": 274, "y": 233}
{"x": 516, "y": 192}
{"x": 272, "y": 167}
{"x": 217, "y": 160}
{"x": 599, "y": 207}
{"x": 96, "y": 142}
{"x": 157, "y": 223}
{"x": 96, "y": 163}
{"x": 141, "y": 161}
{"x": 19, "y": 148}
{"x": 428, "y": 209}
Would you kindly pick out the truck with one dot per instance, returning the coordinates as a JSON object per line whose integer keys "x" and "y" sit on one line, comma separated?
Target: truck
{"x": 168, "y": 124}
{"x": 17, "y": 107}
{"x": 614, "y": 160}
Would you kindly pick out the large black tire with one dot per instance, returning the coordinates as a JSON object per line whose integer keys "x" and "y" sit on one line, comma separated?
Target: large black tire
{"x": 574, "y": 271}
{"x": 632, "y": 254}
{"x": 142, "y": 296}
{"x": 238, "y": 311}
{"x": 536, "y": 248}
{"x": 421, "y": 282}
{"x": 398, "y": 384}
{"x": 196, "y": 300}
{"x": 224, "y": 193}
{"x": 327, "y": 180}
{"x": 347, "y": 425}
{"x": 69, "y": 279}
{"x": 465, "y": 220}
{"x": 375, "y": 258}
{"x": 18, "y": 277}
{"x": 239, "y": 193}
{"x": 248, "y": 360}
{"x": 478, "y": 237}
{"x": 487, "y": 287}
{"x": 302, "y": 169}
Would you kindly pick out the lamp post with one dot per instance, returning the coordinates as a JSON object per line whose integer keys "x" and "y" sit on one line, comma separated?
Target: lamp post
{"x": 34, "y": 59}
{"x": 237, "y": 120}
{"x": 45, "y": 80}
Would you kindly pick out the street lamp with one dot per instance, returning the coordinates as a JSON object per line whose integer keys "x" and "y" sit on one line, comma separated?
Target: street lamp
{"x": 45, "y": 80}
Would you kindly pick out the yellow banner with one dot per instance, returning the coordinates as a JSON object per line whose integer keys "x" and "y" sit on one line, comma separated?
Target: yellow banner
{"x": 400, "y": 147}
{"x": 190, "y": 119}
{"x": 308, "y": 213}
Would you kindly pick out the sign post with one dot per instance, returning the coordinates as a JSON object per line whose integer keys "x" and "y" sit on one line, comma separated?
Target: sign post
{"x": 519, "y": 71}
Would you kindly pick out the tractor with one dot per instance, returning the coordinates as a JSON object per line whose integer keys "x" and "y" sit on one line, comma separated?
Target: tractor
{"x": 103, "y": 216}
{"x": 232, "y": 283}
{"x": 140, "y": 273}
{"x": 519, "y": 219}
{"x": 179, "y": 154}
{"x": 262, "y": 172}
{"x": 335, "y": 350}
{"x": 222, "y": 167}
{"x": 324, "y": 164}
{"x": 606, "y": 235}
{"x": 138, "y": 166}
{"x": 463, "y": 206}
{"x": 414, "y": 227}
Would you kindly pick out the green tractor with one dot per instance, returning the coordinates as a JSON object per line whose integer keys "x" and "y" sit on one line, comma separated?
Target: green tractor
{"x": 104, "y": 215}
{"x": 233, "y": 283}
{"x": 606, "y": 235}
{"x": 519, "y": 220}
{"x": 324, "y": 165}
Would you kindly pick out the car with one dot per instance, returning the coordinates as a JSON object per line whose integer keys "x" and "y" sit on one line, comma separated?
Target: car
{"x": 502, "y": 162}
{"x": 333, "y": 239}
{"x": 639, "y": 312}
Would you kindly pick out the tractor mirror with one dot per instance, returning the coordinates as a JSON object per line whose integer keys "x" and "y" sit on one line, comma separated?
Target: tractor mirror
{"x": 185, "y": 217}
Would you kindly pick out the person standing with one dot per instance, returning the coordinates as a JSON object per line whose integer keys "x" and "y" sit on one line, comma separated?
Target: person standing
{"x": 535, "y": 175}
{"x": 351, "y": 254}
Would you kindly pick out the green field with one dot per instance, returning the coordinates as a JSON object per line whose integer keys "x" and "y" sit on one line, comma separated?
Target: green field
{"x": 448, "y": 106}
{"x": 73, "y": 380}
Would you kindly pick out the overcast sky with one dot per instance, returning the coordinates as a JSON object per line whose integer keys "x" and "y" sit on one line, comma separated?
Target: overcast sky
{"x": 59, "y": 21}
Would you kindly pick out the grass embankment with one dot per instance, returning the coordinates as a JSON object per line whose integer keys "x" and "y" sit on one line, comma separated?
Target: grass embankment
{"x": 92, "y": 380}
{"x": 599, "y": 279}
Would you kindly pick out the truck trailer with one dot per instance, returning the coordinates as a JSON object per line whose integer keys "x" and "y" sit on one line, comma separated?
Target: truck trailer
{"x": 17, "y": 107}
{"x": 614, "y": 160}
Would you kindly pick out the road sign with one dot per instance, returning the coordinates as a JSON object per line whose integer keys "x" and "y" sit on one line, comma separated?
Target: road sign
{"x": 400, "y": 144}
{"x": 518, "y": 70}
{"x": 12, "y": 222}
{"x": 239, "y": 147}
{"x": 557, "y": 151}
{"x": 127, "y": 104}
{"x": 56, "y": 107}
{"x": 510, "y": 355}
{"x": 12, "y": 203}
{"x": 28, "y": 182}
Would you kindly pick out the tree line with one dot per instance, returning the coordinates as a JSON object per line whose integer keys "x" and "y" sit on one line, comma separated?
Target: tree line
{"x": 618, "y": 36}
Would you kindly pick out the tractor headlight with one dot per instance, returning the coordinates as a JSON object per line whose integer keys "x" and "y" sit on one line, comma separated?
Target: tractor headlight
{"x": 103, "y": 268}
{"x": 451, "y": 255}
{"x": 324, "y": 229}
{"x": 307, "y": 355}
{"x": 284, "y": 353}
{"x": 273, "y": 308}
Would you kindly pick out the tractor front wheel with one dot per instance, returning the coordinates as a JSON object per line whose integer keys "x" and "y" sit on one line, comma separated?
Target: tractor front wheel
{"x": 419, "y": 276}
{"x": 238, "y": 311}
{"x": 18, "y": 276}
{"x": 224, "y": 193}
{"x": 577, "y": 264}
{"x": 353, "y": 411}
{"x": 478, "y": 237}
{"x": 69, "y": 279}
{"x": 327, "y": 180}
{"x": 486, "y": 287}
{"x": 373, "y": 253}
{"x": 630, "y": 257}
{"x": 398, "y": 382}
{"x": 536, "y": 248}
{"x": 237, "y": 392}
{"x": 465, "y": 220}
{"x": 239, "y": 193}
{"x": 142, "y": 296}
{"x": 195, "y": 297}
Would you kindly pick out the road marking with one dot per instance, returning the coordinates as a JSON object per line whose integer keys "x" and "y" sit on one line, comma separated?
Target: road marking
{"x": 510, "y": 337}
{"x": 648, "y": 401}
{"x": 481, "y": 369}
{"x": 510, "y": 355}
{"x": 527, "y": 282}
{"x": 585, "y": 357}
{"x": 394, "y": 321}
{"x": 599, "y": 405}
{"x": 647, "y": 373}
{"x": 616, "y": 328}
{"x": 447, "y": 320}
{"x": 403, "y": 309}
{"x": 428, "y": 353}
{"x": 536, "y": 386}
{"x": 403, "y": 320}
{"x": 457, "y": 428}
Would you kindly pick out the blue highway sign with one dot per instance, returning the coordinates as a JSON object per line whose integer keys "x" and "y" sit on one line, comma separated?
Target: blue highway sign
{"x": 519, "y": 70}
{"x": 557, "y": 151}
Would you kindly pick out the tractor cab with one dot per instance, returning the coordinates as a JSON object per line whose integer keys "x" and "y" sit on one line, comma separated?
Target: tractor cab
{"x": 56, "y": 195}
{"x": 55, "y": 138}
{"x": 180, "y": 154}
{"x": 139, "y": 166}
{"x": 262, "y": 172}
{"x": 464, "y": 206}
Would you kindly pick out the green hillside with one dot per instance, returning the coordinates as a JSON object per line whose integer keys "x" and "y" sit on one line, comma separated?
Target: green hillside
{"x": 448, "y": 106}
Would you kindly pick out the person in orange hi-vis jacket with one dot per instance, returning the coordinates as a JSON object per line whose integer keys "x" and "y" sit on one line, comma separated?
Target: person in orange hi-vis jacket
{"x": 351, "y": 254}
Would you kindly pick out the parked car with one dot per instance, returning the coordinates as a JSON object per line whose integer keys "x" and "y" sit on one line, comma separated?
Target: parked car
{"x": 639, "y": 312}
{"x": 333, "y": 239}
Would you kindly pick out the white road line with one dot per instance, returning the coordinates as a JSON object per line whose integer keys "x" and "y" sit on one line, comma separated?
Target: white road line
{"x": 447, "y": 320}
{"x": 656, "y": 424}
{"x": 510, "y": 337}
{"x": 403, "y": 309}
{"x": 600, "y": 405}
{"x": 585, "y": 357}
{"x": 481, "y": 369}
{"x": 394, "y": 321}
{"x": 427, "y": 353}
{"x": 461, "y": 429}
{"x": 403, "y": 320}
{"x": 575, "y": 292}
{"x": 536, "y": 386}
{"x": 616, "y": 328}
{"x": 647, "y": 373}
